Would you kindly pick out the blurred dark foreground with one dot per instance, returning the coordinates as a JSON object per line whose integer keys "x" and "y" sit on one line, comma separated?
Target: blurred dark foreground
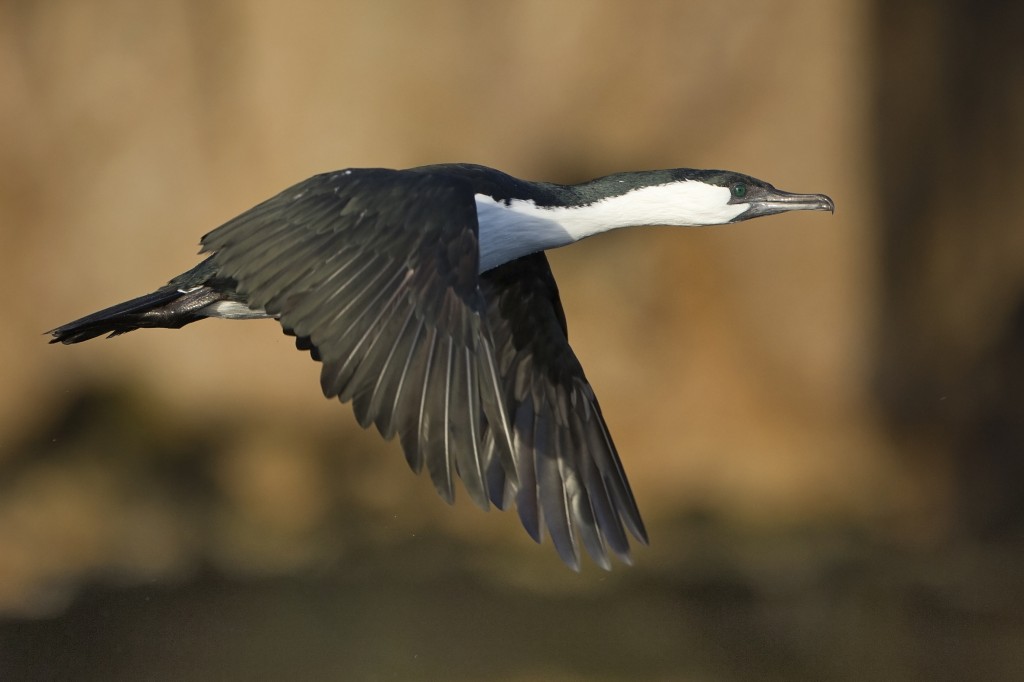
{"x": 364, "y": 597}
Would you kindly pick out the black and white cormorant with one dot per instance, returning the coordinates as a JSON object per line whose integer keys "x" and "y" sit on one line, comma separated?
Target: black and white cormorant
{"x": 426, "y": 295}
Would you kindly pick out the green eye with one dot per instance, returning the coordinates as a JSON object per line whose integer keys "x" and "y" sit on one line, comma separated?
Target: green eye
{"x": 739, "y": 190}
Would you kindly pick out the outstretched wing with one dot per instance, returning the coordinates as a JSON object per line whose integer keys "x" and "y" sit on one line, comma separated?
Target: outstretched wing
{"x": 376, "y": 272}
{"x": 570, "y": 477}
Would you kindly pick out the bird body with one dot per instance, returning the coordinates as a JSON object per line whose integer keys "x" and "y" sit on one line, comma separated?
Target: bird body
{"x": 426, "y": 295}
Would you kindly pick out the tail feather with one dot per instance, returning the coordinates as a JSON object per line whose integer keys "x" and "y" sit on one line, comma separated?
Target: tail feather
{"x": 166, "y": 307}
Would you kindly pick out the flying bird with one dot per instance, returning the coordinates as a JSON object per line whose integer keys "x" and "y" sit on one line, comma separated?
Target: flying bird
{"x": 427, "y": 297}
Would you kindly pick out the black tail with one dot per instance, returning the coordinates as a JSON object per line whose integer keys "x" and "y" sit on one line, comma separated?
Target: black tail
{"x": 165, "y": 307}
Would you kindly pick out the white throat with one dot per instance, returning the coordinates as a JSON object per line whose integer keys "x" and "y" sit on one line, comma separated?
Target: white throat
{"x": 510, "y": 231}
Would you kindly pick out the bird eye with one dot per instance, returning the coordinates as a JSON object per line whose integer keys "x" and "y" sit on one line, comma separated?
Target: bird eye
{"x": 739, "y": 190}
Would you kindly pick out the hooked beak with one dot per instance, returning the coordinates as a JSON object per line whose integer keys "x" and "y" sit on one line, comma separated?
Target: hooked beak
{"x": 775, "y": 201}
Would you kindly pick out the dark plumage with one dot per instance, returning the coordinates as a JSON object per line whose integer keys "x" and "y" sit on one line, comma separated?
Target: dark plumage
{"x": 376, "y": 273}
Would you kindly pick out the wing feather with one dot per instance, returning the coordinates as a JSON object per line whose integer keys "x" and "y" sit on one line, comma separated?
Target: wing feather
{"x": 376, "y": 274}
{"x": 571, "y": 482}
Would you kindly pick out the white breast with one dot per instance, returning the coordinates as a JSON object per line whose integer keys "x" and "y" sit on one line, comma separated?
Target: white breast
{"x": 510, "y": 231}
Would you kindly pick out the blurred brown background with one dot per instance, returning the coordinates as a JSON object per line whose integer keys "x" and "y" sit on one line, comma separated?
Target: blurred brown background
{"x": 822, "y": 417}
